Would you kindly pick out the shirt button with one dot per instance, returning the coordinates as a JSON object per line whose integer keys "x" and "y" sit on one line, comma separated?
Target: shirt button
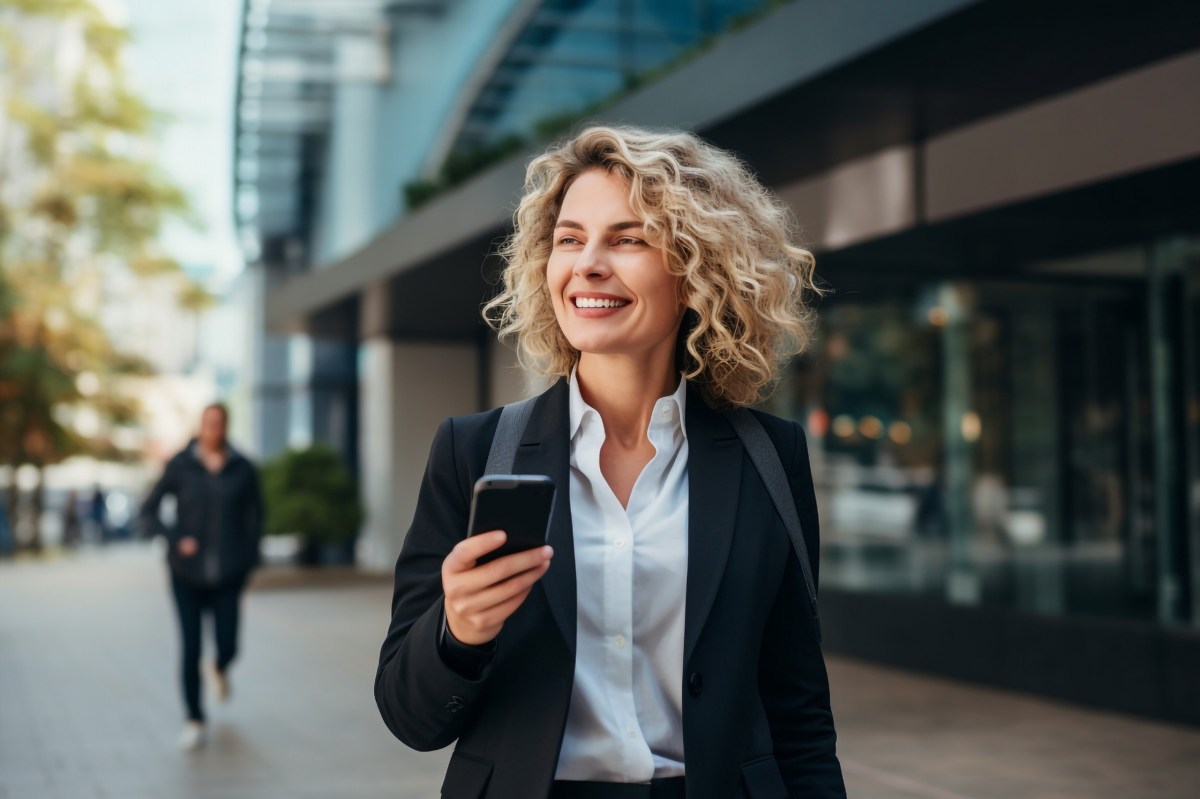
{"x": 631, "y": 732}
{"x": 666, "y": 411}
{"x": 619, "y": 640}
{"x": 619, "y": 543}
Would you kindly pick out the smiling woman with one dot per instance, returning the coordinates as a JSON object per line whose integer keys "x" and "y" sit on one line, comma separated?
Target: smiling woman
{"x": 709, "y": 222}
{"x": 671, "y": 649}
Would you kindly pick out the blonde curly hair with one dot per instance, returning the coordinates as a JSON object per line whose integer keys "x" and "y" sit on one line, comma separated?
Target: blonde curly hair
{"x": 744, "y": 282}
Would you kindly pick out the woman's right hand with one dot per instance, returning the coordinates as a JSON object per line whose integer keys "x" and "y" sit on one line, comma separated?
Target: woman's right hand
{"x": 480, "y": 598}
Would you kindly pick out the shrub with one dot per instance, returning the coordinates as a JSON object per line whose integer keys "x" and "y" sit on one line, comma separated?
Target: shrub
{"x": 309, "y": 492}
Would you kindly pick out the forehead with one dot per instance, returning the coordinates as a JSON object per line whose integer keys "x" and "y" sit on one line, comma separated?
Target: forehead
{"x": 598, "y": 196}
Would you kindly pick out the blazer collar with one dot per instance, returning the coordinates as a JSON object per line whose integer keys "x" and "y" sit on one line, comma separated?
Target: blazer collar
{"x": 714, "y": 480}
{"x": 546, "y": 449}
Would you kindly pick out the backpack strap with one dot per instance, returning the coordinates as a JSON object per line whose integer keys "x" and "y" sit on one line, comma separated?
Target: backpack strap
{"x": 509, "y": 430}
{"x": 766, "y": 461}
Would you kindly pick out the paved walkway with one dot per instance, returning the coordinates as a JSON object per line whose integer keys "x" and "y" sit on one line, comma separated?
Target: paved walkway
{"x": 89, "y": 706}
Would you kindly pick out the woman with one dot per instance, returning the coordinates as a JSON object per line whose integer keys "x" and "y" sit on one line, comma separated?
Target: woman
{"x": 660, "y": 645}
{"x": 211, "y": 550}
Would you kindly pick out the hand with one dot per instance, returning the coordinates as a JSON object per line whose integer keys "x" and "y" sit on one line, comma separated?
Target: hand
{"x": 188, "y": 546}
{"x": 479, "y": 599}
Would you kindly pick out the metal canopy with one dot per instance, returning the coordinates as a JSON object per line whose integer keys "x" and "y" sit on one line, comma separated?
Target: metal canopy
{"x": 575, "y": 53}
{"x": 293, "y": 54}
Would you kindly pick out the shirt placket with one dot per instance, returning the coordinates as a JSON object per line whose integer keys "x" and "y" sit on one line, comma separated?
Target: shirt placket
{"x": 617, "y": 608}
{"x": 659, "y": 434}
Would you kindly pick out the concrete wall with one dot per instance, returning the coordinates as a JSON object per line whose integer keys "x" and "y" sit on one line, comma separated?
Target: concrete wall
{"x": 1066, "y": 141}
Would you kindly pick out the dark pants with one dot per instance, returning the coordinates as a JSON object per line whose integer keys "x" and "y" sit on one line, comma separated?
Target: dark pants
{"x": 192, "y": 601}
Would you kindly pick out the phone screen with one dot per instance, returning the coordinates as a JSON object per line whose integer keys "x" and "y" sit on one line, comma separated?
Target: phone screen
{"x": 520, "y": 505}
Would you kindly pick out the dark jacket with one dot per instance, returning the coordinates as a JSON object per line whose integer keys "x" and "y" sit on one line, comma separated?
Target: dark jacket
{"x": 222, "y": 511}
{"x": 756, "y": 715}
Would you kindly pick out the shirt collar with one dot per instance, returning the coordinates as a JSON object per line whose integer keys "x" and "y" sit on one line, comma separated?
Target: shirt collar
{"x": 579, "y": 409}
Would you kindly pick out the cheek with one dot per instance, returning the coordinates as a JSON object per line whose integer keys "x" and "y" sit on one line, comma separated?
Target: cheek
{"x": 557, "y": 276}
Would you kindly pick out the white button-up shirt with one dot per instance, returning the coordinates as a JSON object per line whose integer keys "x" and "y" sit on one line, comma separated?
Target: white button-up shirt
{"x": 625, "y": 723}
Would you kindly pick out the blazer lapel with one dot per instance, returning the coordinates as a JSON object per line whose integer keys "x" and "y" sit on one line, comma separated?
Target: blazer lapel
{"x": 714, "y": 479}
{"x": 546, "y": 449}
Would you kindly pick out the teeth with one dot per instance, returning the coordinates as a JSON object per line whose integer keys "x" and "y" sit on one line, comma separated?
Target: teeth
{"x": 593, "y": 302}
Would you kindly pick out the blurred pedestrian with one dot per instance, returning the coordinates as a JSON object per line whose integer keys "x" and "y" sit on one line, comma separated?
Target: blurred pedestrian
{"x": 7, "y": 544}
{"x": 212, "y": 548}
{"x": 72, "y": 526}
{"x": 98, "y": 515}
{"x": 673, "y": 645}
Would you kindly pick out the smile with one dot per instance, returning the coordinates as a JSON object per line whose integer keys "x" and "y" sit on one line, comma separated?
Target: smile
{"x": 596, "y": 302}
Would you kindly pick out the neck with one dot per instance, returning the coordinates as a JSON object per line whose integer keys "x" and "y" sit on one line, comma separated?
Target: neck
{"x": 623, "y": 389}
{"x": 212, "y": 449}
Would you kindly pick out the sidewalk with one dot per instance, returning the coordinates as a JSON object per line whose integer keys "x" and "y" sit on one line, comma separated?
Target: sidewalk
{"x": 89, "y": 706}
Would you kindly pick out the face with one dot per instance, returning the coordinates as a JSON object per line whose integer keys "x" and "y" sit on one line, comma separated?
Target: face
{"x": 611, "y": 290}
{"x": 212, "y": 429}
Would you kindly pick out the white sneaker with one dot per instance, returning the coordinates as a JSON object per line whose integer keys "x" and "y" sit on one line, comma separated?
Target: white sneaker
{"x": 193, "y": 736}
{"x": 220, "y": 682}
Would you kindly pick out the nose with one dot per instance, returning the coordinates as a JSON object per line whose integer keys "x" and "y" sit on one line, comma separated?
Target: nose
{"x": 591, "y": 263}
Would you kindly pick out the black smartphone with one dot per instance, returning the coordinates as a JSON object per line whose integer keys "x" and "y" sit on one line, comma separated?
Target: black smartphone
{"x": 518, "y": 504}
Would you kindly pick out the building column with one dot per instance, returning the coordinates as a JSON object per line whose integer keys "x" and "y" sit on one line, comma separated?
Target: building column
{"x": 407, "y": 390}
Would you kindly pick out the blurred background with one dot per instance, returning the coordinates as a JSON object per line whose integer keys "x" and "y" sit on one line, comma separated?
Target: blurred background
{"x": 291, "y": 206}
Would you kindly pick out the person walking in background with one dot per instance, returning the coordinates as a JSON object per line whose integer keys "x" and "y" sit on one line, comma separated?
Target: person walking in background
{"x": 7, "y": 544}
{"x": 212, "y": 548}
{"x": 98, "y": 515}
{"x": 72, "y": 527}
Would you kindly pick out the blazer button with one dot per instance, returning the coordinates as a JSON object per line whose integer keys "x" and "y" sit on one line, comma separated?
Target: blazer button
{"x": 695, "y": 683}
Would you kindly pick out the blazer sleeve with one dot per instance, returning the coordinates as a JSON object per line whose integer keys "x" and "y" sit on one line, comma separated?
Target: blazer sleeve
{"x": 792, "y": 677}
{"x": 423, "y": 701}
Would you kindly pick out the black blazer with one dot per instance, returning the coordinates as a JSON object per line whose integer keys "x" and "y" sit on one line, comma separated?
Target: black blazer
{"x": 223, "y": 512}
{"x": 756, "y": 714}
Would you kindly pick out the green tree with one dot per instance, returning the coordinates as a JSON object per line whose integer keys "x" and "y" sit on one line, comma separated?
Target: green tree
{"x": 80, "y": 208}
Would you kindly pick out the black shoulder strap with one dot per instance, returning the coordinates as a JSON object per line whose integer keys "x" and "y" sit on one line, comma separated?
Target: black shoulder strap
{"x": 766, "y": 461}
{"x": 509, "y": 430}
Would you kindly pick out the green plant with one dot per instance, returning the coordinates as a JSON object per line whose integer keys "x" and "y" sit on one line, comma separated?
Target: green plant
{"x": 309, "y": 492}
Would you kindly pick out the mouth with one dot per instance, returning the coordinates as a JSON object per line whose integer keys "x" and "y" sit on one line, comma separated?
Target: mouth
{"x": 599, "y": 302}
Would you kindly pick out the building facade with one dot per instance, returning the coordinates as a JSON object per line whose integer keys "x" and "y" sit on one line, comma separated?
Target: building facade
{"x": 1003, "y": 405}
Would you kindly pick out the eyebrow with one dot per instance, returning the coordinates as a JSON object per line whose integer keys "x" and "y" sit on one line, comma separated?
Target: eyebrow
{"x": 612, "y": 228}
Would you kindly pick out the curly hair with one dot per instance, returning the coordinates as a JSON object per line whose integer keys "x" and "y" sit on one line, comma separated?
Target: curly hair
{"x": 744, "y": 282}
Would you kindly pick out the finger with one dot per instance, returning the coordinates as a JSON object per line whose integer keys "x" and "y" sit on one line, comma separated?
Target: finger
{"x": 496, "y": 595}
{"x": 499, "y": 614}
{"x": 472, "y": 548}
{"x": 499, "y": 570}
{"x": 485, "y": 625}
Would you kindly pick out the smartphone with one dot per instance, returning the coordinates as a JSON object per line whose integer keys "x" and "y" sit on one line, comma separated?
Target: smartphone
{"x": 518, "y": 504}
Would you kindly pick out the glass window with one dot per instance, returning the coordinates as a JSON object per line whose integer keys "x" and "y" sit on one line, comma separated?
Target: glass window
{"x": 985, "y": 443}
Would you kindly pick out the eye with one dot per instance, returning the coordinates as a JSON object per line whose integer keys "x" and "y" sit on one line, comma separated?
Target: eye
{"x": 567, "y": 240}
{"x": 629, "y": 240}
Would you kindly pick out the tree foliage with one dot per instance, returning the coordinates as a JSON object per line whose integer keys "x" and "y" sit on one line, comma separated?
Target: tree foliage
{"x": 81, "y": 207}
